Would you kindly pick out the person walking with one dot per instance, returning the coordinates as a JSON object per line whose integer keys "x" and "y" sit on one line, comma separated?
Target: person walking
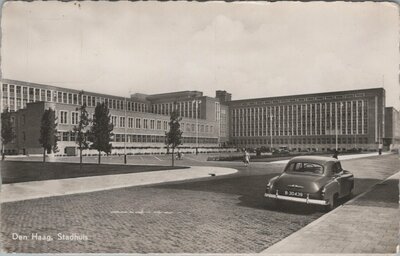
{"x": 246, "y": 158}
{"x": 380, "y": 149}
{"x": 335, "y": 154}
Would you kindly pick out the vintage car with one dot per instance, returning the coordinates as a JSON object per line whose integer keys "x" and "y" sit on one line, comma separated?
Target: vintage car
{"x": 312, "y": 180}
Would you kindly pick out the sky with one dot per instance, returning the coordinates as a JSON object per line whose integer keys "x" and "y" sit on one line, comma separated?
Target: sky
{"x": 249, "y": 49}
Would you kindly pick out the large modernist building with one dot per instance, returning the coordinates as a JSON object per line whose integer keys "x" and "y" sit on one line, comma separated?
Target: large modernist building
{"x": 350, "y": 119}
{"x": 142, "y": 118}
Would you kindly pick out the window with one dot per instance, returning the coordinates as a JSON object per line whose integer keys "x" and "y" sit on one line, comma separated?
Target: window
{"x": 65, "y": 136}
{"x": 89, "y": 99}
{"x": 145, "y": 124}
{"x": 5, "y": 89}
{"x": 74, "y": 117}
{"x": 72, "y": 136}
{"x": 42, "y": 95}
{"x": 165, "y": 125}
{"x": 130, "y": 122}
{"x": 138, "y": 123}
{"x": 114, "y": 120}
{"x": 122, "y": 121}
{"x": 336, "y": 168}
{"x": 63, "y": 117}
{"x": 305, "y": 167}
{"x": 48, "y": 95}
{"x": 152, "y": 127}
{"x": 37, "y": 94}
{"x": 59, "y": 97}
{"x": 158, "y": 125}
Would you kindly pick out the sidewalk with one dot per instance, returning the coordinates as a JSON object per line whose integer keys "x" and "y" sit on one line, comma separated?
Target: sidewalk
{"x": 342, "y": 157}
{"x": 369, "y": 223}
{"x": 47, "y": 188}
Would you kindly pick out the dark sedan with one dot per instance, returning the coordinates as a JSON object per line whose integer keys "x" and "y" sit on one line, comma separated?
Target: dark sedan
{"x": 312, "y": 180}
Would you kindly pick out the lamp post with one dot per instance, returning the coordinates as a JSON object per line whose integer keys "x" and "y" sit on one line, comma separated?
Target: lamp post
{"x": 197, "y": 124}
{"x": 270, "y": 121}
{"x": 197, "y": 127}
{"x": 336, "y": 124}
{"x": 336, "y": 129}
{"x": 125, "y": 123}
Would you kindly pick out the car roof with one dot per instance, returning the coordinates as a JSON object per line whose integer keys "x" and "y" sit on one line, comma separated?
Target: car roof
{"x": 314, "y": 159}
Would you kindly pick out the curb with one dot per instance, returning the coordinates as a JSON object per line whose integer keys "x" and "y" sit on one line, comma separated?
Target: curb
{"x": 33, "y": 189}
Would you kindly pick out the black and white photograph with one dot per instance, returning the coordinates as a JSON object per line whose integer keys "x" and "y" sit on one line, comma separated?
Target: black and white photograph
{"x": 210, "y": 127}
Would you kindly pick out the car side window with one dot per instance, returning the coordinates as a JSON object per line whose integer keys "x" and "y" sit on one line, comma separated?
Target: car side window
{"x": 336, "y": 168}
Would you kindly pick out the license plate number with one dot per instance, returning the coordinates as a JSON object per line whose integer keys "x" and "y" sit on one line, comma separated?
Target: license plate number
{"x": 294, "y": 193}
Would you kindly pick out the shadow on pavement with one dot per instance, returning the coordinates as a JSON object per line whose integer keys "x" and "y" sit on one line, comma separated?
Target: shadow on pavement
{"x": 384, "y": 194}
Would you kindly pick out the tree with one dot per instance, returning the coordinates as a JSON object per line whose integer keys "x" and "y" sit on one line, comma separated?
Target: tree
{"x": 48, "y": 132}
{"x": 174, "y": 135}
{"x": 101, "y": 130}
{"x": 81, "y": 134}
{"x": 7, "y": 132}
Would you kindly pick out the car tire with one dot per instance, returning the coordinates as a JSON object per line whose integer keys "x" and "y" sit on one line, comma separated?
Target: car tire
{"x": 332, "y": 203}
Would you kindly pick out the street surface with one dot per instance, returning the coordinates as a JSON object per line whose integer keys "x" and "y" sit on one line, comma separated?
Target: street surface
{"x": 226, "y": 214}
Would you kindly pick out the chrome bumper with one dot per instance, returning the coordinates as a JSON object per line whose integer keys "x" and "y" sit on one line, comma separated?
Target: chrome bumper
{"x": 296, "y": 199}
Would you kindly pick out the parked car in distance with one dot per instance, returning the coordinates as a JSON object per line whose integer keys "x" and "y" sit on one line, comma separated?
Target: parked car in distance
{"x": 312, "y": 180}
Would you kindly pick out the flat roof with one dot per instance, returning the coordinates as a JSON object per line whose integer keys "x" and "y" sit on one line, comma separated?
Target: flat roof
{"x": 380, "y": 89}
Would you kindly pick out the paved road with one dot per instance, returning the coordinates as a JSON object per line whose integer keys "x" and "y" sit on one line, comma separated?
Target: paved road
{"x": 220, "y": 215}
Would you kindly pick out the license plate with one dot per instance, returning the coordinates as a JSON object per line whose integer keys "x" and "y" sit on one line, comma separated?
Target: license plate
{"x": 294, "y": 193}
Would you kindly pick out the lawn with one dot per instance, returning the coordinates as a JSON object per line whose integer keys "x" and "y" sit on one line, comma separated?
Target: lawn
{"x": 15, "y": 171}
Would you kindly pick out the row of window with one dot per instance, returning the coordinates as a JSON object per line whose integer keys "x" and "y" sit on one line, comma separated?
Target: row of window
{"x": 190, "y": 109}
{"x": 16, "y": 97}
{"x": 297, "y": 99}
{"x": 139, "y": 123}
{"x": 294, "y": 141}
{"x": 348, "y": 117}
{"x": 131, "y": 138}
{"x": 72, "y": 117}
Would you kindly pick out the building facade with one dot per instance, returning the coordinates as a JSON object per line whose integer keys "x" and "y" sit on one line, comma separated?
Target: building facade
{"x": 392, "y": 128}
{"x": 318, "y": 122}
{"x": 143, "y": 119}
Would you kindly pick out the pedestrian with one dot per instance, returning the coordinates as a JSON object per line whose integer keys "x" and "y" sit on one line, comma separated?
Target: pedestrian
{"x": 246, "y": 157}
{"x": 335, "y": 154}
{"x": 380, "y": 149}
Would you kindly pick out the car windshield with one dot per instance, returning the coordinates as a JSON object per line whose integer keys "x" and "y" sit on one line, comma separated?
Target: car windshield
{"x": 305, "y": 167}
